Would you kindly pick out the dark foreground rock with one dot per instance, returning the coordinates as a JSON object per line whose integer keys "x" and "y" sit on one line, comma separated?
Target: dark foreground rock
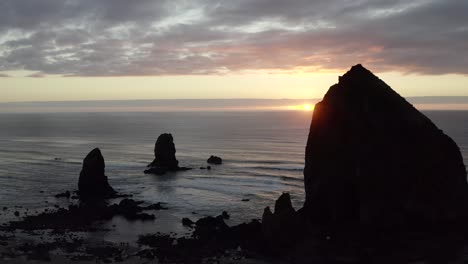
{"x": 281, "y": 228}
{"x": 211, "y": 240}
{"x": 215, "y": 160}
{"x": 92, "y": 183}
{"x": 187, "y": 222}
{"x": 380, "y": 174}
{"x": 164, "y": 156}
{"x": 83, "y": 217}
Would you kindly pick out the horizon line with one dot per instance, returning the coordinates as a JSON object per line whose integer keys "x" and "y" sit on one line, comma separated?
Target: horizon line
{"x": 213, "y": 99}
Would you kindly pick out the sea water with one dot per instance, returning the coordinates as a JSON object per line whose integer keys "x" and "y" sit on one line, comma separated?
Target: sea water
{"x": 263, "y": 155}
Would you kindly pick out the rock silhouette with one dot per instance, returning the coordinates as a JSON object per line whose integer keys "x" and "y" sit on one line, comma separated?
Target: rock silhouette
{"x": 92, "y": 182}
{"x": 281, "y": 228}
{"x": 215, "y": 160}
{"x": 164, "y": 156}
{"x": 376, "y": 164}
{"x": 164, "y": 153}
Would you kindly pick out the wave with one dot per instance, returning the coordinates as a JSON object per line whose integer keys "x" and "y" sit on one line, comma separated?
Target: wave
{"x": 253, "y": 177}
{"x": 276, "y": 168}
{"x": 253, "y": 161}
{"x": 23, "y": 151}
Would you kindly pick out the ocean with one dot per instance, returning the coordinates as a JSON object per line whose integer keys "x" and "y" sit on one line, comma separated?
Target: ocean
{"x": 263, "y": 154}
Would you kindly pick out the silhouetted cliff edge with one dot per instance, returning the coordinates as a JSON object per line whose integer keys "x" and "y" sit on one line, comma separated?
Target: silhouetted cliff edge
{"x": 376, "y": 165}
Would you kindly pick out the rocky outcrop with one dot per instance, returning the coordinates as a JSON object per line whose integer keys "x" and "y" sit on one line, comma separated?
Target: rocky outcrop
{"x": 215, "y": 160}
{"x": 92, "y": 182}
{"x": 281, "y": 228}
{"x": 164, "y": 156}
{"x": 65, "y": 194}
{"x": 375, "y": 162}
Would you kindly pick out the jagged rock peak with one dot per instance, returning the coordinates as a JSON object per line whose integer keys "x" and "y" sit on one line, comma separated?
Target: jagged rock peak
{"x": 372, "y": 159}
{"x": 360, "y": 83}
{"x": 94, "y": 161}
{"x": 283, "y": 205}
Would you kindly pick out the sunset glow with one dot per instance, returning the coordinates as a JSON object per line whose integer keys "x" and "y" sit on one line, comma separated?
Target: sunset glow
{"x": 307, "y": 107}
{"x": 303, "y": 107}
{"x": 152, "y": 50}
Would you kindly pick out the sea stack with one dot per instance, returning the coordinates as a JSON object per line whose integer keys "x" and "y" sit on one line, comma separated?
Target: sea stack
{"x": 164, "y": 153}
{"x": 164, "y": 156}
{"x": 374, "y": 162}
{"x": 92, "y": 182}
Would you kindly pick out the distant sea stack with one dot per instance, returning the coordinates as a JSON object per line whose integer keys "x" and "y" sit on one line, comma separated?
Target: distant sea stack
{"x": 375, "y": 162}
{"x": 215, "y": 160}
{"x": 92, "y": 182}
{"x": 164, "y": 156}
{"x": 164, "y": 152}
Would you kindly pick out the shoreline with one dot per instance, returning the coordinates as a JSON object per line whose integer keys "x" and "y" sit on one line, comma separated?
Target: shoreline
{"x": 115, "y": 239}
{"x": 204, "y": 240}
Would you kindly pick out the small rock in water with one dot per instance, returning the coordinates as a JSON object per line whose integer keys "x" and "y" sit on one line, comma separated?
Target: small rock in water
{"x": 225, "y": 215}
{"x": 208, "y": 167}
{"x": 17, "y": 213}
{"x": 156, "y": 206}
{"x": 215, "y": 160}
{"x": 65, "y": 194}
{"x": 202, "y": 168}
{"x": 245, "y": 200}
{"x": 187, "y": 222}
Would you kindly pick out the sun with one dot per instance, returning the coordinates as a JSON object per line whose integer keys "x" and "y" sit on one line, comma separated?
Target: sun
{"x": 301, "y": 107}
{"x": 307, "y": 107}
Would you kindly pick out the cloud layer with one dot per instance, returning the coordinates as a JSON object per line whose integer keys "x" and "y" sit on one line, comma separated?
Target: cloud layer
{"x": 179, "y": 37}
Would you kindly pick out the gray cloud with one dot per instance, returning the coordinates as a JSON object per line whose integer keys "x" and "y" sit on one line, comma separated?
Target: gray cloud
{"x": 146, "y": 37}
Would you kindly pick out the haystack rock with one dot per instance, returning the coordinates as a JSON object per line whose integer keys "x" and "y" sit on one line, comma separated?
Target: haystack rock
{"x": 164, "y": 153}
{"x": 92, "y": 182}
{"x": 374, "y": 161}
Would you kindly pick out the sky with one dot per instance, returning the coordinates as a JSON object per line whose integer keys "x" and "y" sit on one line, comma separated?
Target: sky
{"x": 70, "y": 50}
{"x": 206, "y": 105}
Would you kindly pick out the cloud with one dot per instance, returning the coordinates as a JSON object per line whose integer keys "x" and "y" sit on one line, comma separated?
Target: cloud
{"x": 36, "y": 75}
{"x": 115, "y": 38}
